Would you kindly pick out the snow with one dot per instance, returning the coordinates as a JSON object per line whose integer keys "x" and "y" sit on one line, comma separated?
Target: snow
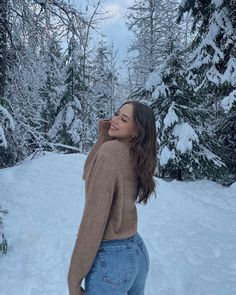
{"x": 214, "y": 75}
{"x": 228, "y": 101}
{"x": 170, "y": 117}
{"x": 161, "y": 89}
{"x": 74, "y": 131}
{"x": 219, "y": 23}
{"x": 230, "y": 72}
{"x": 189, "y": 230}
{"x": 218, "y": 3}
{"x": 77, "y": 104}
{"x": 210, "y": 156}
{"x": 7, "y": 117}
{"x": 153, "y": 80}
{"x": 57, "y": 125}
{"x": 186, "y": 135}
{"x": 166, "y": 155}
{"x": 3, "y": 141}
{"x": 183, "y": 3}
{"x": 41, "y": 1}
{"x": 70, "y": 115}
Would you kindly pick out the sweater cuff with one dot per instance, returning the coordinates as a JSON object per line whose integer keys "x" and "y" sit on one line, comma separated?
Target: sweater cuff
{"x": 103, "y": 127}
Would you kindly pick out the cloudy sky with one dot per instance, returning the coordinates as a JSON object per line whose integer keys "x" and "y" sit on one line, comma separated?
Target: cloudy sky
{"x": 114, "y": 28}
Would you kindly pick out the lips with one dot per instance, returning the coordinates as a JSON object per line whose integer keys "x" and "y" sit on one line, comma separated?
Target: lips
{"x": 113, "y": 127}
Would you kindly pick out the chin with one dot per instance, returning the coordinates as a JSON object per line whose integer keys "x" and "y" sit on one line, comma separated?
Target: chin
{"x": 112, "y": 134}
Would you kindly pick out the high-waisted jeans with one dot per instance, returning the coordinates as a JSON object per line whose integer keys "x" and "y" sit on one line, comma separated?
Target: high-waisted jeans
{"x": 119, "y": 268}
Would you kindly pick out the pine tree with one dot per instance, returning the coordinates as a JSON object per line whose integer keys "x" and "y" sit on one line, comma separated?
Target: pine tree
{"x": 7, "y": 127}
{"x": 67, "y": 126}
{"x": 211, "y": 71}
{"x": 156, "y": 34}
{"x": 6, "y": 120}
{"x": 26, "y": 29}
{"x": 53, "y": 90}
{"x": 3, "y": 46}
{"x": 184, "y": 143}
{"x": 104, "y": 79}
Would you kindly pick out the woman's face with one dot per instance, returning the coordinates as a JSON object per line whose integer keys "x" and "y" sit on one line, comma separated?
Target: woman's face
{"x": 122, "y": 123}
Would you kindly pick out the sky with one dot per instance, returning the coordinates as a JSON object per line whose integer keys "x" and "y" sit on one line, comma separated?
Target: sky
{"x": 115, "y": 28}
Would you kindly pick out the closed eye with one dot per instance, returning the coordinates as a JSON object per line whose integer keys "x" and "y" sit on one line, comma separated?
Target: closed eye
{"x": 117, "y": 114}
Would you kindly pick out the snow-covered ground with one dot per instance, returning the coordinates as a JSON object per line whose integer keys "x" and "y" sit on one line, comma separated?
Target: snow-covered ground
{"x": 190, "y": 231}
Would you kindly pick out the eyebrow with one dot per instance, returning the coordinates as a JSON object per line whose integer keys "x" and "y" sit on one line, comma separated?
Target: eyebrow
{"x": 124, "y": 114}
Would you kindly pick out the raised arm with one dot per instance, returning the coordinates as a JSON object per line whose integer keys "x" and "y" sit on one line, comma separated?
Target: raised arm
{"x": 103, "y": 127}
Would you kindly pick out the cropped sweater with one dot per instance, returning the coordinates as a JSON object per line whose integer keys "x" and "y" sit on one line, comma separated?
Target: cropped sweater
{"x": 110, "y": 208}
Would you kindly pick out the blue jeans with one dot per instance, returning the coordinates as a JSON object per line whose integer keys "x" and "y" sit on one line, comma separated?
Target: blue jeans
{"x": 119, "y": 268}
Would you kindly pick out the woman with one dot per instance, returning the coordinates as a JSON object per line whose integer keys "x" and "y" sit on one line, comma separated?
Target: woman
{"x": 118, "y": 172}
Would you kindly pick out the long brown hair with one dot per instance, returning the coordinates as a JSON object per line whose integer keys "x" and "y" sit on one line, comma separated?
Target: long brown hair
{"x": 144, "y": 149}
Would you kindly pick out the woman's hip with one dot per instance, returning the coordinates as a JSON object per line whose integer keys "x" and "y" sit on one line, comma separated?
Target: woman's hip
{"x": 117, "y": 264}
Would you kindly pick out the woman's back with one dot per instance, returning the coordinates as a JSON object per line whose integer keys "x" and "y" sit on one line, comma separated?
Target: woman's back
{"x": 117, "y": 174}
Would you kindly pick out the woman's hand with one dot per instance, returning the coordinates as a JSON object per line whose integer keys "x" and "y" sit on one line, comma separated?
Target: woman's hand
{"x": 77, "y": 291}
{"x": 104, "y": 124}
{"x": 103, "y": 128}
{"x": 82, "y": 291}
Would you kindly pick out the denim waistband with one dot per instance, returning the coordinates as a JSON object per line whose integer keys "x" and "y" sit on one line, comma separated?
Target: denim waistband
{"x": 133, "y": 238}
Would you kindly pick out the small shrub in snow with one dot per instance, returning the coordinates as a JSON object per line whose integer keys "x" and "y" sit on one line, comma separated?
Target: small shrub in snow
{"x": 3, "y": 241}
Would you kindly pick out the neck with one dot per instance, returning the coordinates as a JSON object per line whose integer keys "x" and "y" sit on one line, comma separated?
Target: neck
{"x": 125, "y": 141}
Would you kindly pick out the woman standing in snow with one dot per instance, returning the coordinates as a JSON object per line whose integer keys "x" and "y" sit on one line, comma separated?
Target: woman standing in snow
{"x": 118, "y": 172}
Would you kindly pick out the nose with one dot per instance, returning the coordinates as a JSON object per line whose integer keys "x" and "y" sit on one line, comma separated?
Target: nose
{"x": 114, "y": 120}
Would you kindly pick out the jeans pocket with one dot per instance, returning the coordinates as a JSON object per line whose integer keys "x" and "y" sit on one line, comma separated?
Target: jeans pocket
{"x": 145, "y": 253}
{"x": 116, "y": 264}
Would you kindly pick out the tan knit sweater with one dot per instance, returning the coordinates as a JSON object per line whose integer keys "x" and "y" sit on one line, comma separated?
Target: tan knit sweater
{"x": 110, "y": 209}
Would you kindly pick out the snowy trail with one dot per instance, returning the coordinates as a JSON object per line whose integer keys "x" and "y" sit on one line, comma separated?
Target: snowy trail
{"x": 190, "y": 231}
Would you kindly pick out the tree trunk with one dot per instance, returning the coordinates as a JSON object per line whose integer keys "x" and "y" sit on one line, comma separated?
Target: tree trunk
{"x": 3, "y": 47}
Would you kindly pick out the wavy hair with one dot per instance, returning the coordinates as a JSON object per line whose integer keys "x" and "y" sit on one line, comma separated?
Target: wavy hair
{"x": 144, "y": 149}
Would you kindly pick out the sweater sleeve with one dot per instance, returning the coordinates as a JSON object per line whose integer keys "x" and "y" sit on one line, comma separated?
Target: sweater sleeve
{"x": 101, "y": 188}
{"x": 103, "y": 127}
